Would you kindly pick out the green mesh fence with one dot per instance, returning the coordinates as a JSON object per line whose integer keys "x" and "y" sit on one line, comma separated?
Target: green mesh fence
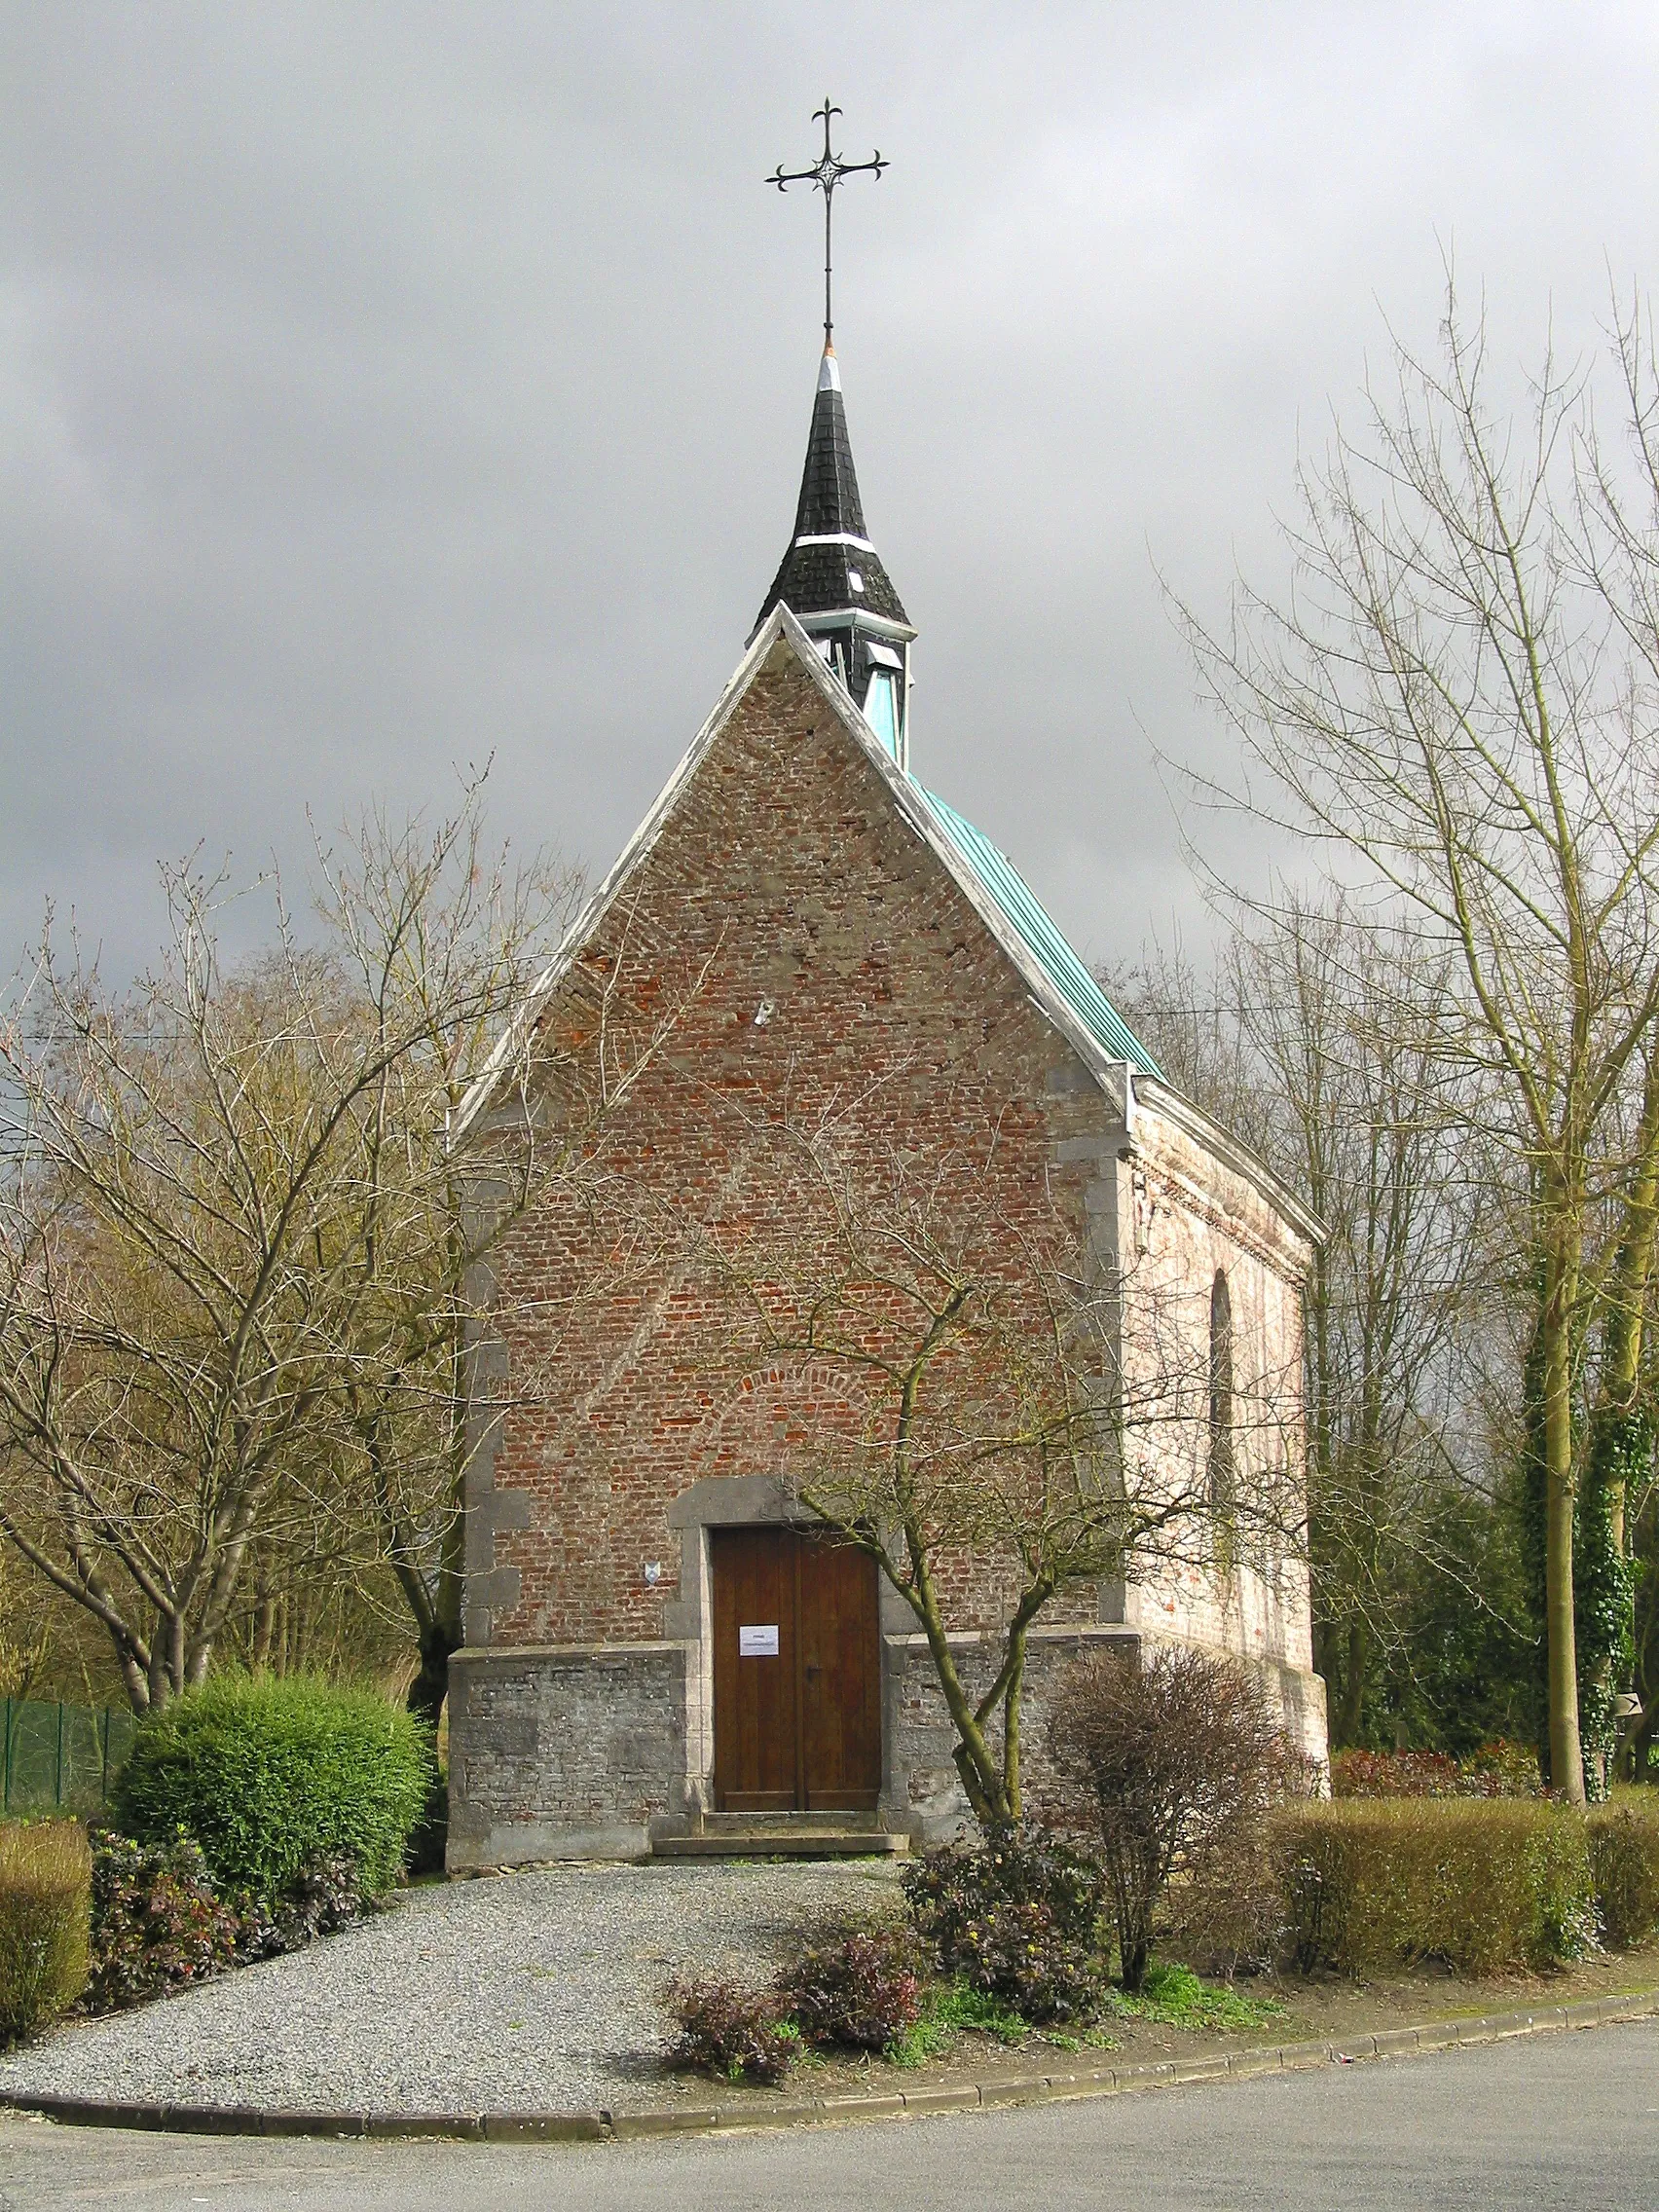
{"x": 60, "y": 1756}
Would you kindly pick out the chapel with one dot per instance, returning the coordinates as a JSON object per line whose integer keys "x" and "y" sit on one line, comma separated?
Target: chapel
{"x": 661, "y": 1649}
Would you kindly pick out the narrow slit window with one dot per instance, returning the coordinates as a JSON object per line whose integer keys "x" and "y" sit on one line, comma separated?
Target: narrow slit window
{"x": 1223, "y": 1470}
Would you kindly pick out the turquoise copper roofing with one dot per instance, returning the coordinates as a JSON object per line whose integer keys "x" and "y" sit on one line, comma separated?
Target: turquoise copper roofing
{"x": 1059, "y": 962}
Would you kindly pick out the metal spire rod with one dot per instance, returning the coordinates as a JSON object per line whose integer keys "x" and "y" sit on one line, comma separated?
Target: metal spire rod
{"x": 826, "y": 175}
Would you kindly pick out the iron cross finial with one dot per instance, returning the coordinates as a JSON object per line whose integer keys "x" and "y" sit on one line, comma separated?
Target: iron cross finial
{"x": 825, "y": 175}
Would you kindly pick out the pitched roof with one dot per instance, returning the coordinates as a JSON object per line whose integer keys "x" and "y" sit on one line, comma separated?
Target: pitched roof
{"x": 829, "y": 545}
{"x": 1059, "y": 984}
{"x": 1015, "y": 899}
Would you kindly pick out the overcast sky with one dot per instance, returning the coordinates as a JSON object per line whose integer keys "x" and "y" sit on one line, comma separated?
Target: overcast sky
{"x": 385, "y": 387}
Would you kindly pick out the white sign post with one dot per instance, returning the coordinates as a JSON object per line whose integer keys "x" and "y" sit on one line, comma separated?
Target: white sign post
{"x": 757, "y": 1643}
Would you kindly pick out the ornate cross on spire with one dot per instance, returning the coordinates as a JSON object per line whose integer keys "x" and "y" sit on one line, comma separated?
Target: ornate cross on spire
{"x": 826, "y": 174}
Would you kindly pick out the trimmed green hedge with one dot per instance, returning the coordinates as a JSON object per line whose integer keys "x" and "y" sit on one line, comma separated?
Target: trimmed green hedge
{"x": 1624, "y": 1854}
{"x": 1371, "y": 1884}
{"x": 46, "y": 1874}
{"x": 268, "y": 1776}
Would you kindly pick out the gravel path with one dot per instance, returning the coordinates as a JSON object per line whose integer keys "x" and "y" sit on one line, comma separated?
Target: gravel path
{"x": 516, "y": 1992}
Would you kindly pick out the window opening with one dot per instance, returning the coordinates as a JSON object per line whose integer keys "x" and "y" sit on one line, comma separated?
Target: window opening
{"x": 1223, "y": 1470}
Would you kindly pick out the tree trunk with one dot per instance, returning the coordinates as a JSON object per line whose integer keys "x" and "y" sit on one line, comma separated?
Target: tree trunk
{"x": 1351, "y": 1705}
{"x": 1566, "y": 1757}
{"x": 429, "y": 1690}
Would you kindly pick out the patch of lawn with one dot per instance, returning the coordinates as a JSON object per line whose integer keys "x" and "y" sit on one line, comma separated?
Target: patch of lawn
{"x": 1175, "y": 1998}
{"x": 953, "y": 2005}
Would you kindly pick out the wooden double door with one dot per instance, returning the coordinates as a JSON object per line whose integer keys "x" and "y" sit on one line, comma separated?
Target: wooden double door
{"x": 797, "y": 1672}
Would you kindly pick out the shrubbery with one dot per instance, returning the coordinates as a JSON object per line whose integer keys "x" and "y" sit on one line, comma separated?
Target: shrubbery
{"x": 731, "y": 2030}
{"x": 1008, "y": 1934}
{"x": 1227, "y": 1916}
{"x": 44, "y": 1899}
{"x": 1373, "y": 1885}
{"x": 1496, "y": 1770}
{"x": 274, "y": 1778}
{"x": 1179, "y": 1760}
{"x": 1624, "y": 1860}
{"x": 857, "y": 1987}
{"x": 1019, "y": 1918}
{"x": 157, "y": 1922}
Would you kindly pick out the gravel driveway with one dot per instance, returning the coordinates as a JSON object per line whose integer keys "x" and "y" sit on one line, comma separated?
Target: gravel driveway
{"x": 531, "y": 1992}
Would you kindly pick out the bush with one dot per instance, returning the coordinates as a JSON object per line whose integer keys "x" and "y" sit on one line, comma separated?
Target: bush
{"x": 731, "y": 2030}
{"x": 45, "y": 1895}
{"x": 1018, "y": 1918}
{"x": 1496, "y": 1770}
{"x": 1176, "y": 1753}
{"x": 1371, "y": 1885}
{"x": 857, "y": 1986}
{"x": 1395, "y": 1773}
{"x": 1624, "y": 1861}
{"x": 324, "y": 1896}
{"x": 1226, "y": 1918}
{"x": 271, "y": 1777}
{"x": 157, "y": 1922}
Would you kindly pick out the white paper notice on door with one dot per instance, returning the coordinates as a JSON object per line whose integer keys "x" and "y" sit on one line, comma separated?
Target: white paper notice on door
{"x": 757, "y": 1643}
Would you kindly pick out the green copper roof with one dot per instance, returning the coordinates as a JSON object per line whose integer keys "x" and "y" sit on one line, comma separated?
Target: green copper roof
{"x": 1010, "y": 891}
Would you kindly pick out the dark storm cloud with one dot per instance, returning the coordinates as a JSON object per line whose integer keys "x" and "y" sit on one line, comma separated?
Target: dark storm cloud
{"x": 387, "y": 386}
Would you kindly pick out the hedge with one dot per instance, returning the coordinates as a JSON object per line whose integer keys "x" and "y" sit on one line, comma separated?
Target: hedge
{"x": 270, "y": 1775}
{"x": 1372, "y": 1884}
{"x": 46, "y": 1874}
{"x": 1623, "y": 1857}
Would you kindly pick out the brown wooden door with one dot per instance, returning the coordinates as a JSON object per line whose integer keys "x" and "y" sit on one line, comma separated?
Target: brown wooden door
{"x": 839, "y": 1643}
{"x": 797, "y": 1674}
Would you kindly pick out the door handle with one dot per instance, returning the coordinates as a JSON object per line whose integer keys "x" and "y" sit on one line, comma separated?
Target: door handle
{"x": 809, "y": 1671}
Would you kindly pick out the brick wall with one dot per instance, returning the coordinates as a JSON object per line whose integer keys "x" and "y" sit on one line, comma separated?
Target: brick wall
{"x": 789, "y": 951}
{"x": 783, "y": 881}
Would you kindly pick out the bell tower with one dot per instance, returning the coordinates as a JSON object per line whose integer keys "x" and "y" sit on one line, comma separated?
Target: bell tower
{"x": 831, "y": 577}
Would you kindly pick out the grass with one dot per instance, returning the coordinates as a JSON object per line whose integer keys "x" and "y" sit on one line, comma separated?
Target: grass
{"x": 1174, "y": 1997}
{"x": 950, "y": 2007}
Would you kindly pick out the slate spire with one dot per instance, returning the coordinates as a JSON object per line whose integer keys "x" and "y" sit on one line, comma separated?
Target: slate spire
{"x": 831, "y": 577}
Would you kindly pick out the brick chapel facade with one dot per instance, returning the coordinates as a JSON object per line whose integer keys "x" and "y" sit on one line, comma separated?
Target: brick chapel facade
{"x": 652, "y": 1649}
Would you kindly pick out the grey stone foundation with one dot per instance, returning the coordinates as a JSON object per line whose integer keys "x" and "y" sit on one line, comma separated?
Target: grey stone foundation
{"x": 562, "y": 1750}
{"x": 594, "y": 1751}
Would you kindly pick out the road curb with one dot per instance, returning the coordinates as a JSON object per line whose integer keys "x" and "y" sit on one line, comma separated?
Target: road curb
{"x": 607, "y": 2124}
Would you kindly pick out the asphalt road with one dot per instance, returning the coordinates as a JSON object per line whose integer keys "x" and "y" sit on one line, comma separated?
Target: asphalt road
{"x": 1551, "y": 2120}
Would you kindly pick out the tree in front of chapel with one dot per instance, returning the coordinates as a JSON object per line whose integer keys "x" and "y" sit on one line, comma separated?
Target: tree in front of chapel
{"x": 999, "y": 1412}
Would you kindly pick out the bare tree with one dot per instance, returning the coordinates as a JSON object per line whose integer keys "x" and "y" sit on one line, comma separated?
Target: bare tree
{"x": 442, "y": 938}
{"x": 1314, "y": 1028}
{"x": 1013, "y": 1421}
{"x": 172, "y": 1158}
{"x": 233, "y": 1245}
{"x": 1459, "y": 696}
{"x": 1179, "y": 1755}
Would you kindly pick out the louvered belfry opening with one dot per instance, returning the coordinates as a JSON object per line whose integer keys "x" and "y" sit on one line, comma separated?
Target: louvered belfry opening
{"x": 833, "y": 580}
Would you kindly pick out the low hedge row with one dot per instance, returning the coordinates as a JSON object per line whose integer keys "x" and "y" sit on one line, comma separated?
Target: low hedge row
{"x": 45, "y": 1885}
{"x": 256, "y": 1814}
{"x": 1371, "y": 1884}
{"x": 1624, "y": 1863}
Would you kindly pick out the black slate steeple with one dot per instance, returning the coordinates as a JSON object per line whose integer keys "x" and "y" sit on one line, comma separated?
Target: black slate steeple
{"x": 831, "y": 577}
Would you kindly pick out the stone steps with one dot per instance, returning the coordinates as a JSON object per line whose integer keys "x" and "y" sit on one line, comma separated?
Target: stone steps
{"x": 733, "y": 1837}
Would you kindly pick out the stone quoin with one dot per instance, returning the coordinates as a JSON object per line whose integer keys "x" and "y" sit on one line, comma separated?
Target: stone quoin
{"x": 799, "y": 928}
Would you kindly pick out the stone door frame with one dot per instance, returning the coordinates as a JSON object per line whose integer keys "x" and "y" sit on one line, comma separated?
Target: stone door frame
{"x": 736, "y": 1501}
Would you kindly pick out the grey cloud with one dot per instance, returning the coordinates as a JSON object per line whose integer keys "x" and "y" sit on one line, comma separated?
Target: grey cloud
{"x": 387, "y": 386}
